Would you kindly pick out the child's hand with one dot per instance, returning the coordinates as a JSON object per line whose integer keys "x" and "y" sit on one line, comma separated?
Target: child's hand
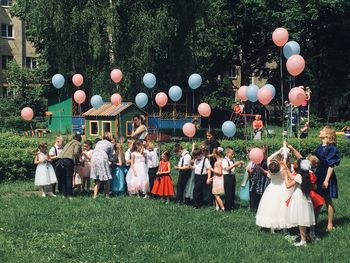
{"x": 209, "y": 181}
{"x": 157, "y": 173}
{"x": 176, "y": 168}
{"x": 325, "y": 184}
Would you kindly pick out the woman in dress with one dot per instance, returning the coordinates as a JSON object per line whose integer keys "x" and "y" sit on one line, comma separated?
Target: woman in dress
{"x": 137, "y": 176}
{"x": 139, "y": 129}
{"x": 327, "y": 185}
{"x": 100, "y": 161}
{"x": 44, "y": 174}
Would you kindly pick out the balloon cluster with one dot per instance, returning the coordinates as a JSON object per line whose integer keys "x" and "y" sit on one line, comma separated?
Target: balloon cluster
{"x": 252, "y": 93}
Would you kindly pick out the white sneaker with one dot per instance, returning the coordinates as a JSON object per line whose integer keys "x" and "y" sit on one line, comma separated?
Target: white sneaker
{"x": 217, "y": 208}
{"x": 145, "y": 197}
{"x": 51, "y": 194}
{"x": 302, "y": 243}
{"x": 43, "y": 195}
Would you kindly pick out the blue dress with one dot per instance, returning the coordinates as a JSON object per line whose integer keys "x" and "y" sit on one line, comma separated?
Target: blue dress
{"x": 118, "y": 180}
{"x": 328, "y": 156}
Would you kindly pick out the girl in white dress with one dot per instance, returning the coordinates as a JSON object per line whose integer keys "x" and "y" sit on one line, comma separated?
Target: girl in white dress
{"x": 44, "y": 174}
{"x": 300, "y": 209}
{"x": 137, "y": 176}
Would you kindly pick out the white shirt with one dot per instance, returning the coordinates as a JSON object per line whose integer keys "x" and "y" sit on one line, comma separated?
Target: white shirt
{"x": 185, "y": 159}
{"x": 152, "y": 158}
{"x": 128, "y": 156}
{"x": 226, "y": 162}
{"x": 199, "y": 165}
{"x": 52, "y": 151}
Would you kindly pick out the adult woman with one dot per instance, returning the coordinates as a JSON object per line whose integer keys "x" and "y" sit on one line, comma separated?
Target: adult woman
{"x": 139, "y": 129}
{"x": 100, "y": 170}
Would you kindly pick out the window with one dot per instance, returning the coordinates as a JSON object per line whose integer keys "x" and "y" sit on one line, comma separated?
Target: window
{"x": 7, "y": 31}
{"x": 5, "y": 60}
{"x": 31, "y": 62}
{"x": 129, "y": 128}
{"x": 106, "y": 126}
{"x": 6, "y": 2}
{"x": 233, "y": 71}
{"x": 94, "y": 129}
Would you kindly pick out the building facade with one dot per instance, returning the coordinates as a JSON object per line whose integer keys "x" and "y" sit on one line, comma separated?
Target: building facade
{"x": 13, "y": 45}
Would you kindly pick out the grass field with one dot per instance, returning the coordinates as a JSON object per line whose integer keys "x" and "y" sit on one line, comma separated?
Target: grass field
{"x": 125, "y": 229}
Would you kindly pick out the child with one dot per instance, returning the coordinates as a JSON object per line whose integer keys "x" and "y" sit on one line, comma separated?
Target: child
{"x": 300, "y": 210}
{"x": 44, "y": 174}
{"x": 257, "y": 126}
{"x": 272, "y": 210}
{"x": 228, "y": 169}
{"x": 128, "y": 154}
{"x": 218, "y": 180}
{"x": 328, "y": 156}
{"x": 53, "y": 154}
{"x": 152, "y": 162}
{"x": 184, "y": 169}
{"x": 84, "y": 169}
{"x": 137, "y": 176}
{"x": 118, "y": 177}
{"x": 201, "y": 176}
{"x": 163, "y": 185}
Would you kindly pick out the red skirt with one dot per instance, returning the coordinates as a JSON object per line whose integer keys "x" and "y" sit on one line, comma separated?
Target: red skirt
{"x": 316, "y": 199}
{"x": 163, "y": 186}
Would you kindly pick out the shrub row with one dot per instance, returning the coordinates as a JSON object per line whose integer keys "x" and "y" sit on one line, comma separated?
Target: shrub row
{"x": 17, "y": 153}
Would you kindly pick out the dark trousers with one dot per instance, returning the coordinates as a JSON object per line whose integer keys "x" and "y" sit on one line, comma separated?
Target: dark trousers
{"x": 230, "y": 189}
{"x": 198, "y": 191}
{"x": 254, "y": 199}
{"x": 151, "y": 177}
{"x": 60, "y": 175}
{"x": 67, "y": 182}
{"x": 181, "y": 184}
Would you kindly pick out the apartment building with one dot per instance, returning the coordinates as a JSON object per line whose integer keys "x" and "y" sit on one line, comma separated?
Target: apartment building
{"x": 13, "y": 45}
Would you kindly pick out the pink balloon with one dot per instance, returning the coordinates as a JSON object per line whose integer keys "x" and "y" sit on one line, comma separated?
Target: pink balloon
{"x": 79, "y": 96}
{"x": 280, "y": 36}
{"x": 265, "y": 95}
{"x": 242, "y": 93}
{"x": 256, "y": 155}
{"x": 27, "y": 114}
{"x": 204, "y": 109}
{"x": 78, "y": 80}
{"x": 295, "y": 65}
{"x": 161, "y": 99}
{"x": 116, "y": 75}
{"x": 116, "y": 99}
{"x": 189, "y": 129}
{"x": 296, "y": 96}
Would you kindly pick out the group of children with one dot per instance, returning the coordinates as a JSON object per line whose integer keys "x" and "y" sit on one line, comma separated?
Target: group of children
{"x": 284, "y": 195}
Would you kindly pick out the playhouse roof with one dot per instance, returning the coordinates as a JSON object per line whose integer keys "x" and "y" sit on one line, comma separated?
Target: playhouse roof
{"x": 108, "y": 109}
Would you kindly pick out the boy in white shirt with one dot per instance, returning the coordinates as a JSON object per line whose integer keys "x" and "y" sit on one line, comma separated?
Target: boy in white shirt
{"x": 152, "y": 157}
{"x": 202, "y": 174}
{"x": 128, "y": 154}
{"x": 228, "y": 170}
{"x": 184, "y": 168}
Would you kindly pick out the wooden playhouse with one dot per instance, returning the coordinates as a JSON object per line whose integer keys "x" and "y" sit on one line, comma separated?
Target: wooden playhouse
{"x": 111, "y": 118}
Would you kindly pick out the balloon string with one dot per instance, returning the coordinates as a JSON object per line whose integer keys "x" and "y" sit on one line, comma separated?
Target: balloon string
{"x": 282, "y": 95}
{"x": 174, "y": 107}
{"x": 59, "y": 108}
{"x": 192, "y": 102}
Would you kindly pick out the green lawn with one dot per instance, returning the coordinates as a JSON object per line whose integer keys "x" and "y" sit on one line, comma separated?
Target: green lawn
{"x": 125, "y": 229}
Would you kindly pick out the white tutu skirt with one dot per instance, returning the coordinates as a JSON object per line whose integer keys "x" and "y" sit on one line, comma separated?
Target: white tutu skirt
{"x": 272, "y": 211}
{"x": 45, "y": 175}
{"x": 218, "y": 185}
{"x": 139, "y": 183}
{"x": 300, "y": 210}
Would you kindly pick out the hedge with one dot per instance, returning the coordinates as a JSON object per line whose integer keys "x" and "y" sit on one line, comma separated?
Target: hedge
{"x": 17, "y": 153}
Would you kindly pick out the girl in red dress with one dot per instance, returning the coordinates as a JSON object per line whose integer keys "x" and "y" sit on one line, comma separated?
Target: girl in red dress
{"x": 163, "y": 185}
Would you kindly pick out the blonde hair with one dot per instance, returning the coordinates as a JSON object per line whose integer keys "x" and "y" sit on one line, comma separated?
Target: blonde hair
{"x": 330, "y": 134}
{"x": 313, "y": 160}
{"x": 107, "y": 136}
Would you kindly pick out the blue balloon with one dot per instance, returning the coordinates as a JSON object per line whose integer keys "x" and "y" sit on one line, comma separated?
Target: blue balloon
{"x": 96, "y": 101}
{"x": 252, "y": 93}
{"x": 57, "y": 81}
{"x": 291, "y": 48}
{"x": 175, "y": 93}
{"x": 272, "y": 88}
{"x": 194, "y": 81}
{"x": 141, "y": 100}
{"x": 149, "y": 80}
{"x": 228, "y": 128}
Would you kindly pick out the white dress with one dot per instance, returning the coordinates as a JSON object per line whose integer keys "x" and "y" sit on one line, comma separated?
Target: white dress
{"x": 44, "y": 173}
{"x": 300, "y": 209}
{"x": 272, "y": 211}
{"x": 139, "y": 183}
